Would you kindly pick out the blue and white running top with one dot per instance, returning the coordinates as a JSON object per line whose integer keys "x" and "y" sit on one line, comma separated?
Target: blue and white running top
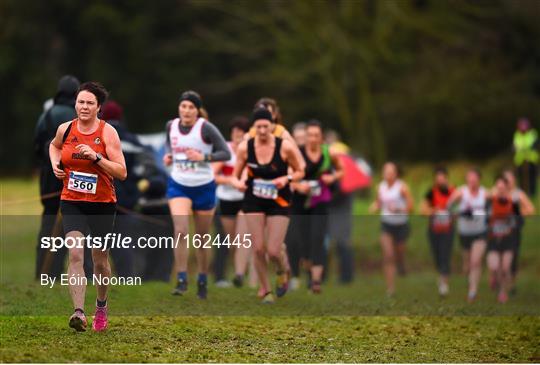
{"x": 185, "y": 172}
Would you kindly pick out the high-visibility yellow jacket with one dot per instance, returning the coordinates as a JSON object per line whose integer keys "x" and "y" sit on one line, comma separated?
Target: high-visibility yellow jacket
{"x": 525, "y": 147}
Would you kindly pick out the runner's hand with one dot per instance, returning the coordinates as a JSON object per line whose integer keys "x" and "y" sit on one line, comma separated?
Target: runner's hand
{"x": 280, "y": 182}
{"x": 328, "y": 179}
{"x": 194, "y": 155}
{"x": 239, "y": 185}
{"x": 167, "y": 159}
{"x": 58, "y": 172}
{"x": 87, "y": 151}
{"x": 302, "y": 187}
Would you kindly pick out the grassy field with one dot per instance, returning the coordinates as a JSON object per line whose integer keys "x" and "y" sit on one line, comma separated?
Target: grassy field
{"x": 354, "y": 323}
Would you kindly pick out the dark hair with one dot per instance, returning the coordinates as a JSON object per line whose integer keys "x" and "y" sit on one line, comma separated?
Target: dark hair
{"x": 67, "y": 90}
{"x": 314, "y": 123}
{"x": 97, "y": 89}
{"x": 440, "y": 170}
{"x": 239, "y": 122}
{"x": 475, "y": 170}
{"x": 192, "y": 96}
{"x": 501, "y": 177}
{"x": 265, "y": 103}
{"x": 261, "y": 113}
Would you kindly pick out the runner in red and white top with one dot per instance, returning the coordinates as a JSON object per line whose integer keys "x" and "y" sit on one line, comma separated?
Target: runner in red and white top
{"x": 441, "y": 225}
{"x": 230, "y": 206}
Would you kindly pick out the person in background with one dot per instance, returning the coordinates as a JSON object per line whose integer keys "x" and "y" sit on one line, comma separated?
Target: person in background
{"x": 309, "y": 220}
{"x": 153, "y": 263}
{"x": 299, "y": 133}
{"x": 277, "y": 128}
{"x": 229, "y": 208}
{"x": 61, "y": 110}
{"x": 395, "y": 202}
{"x": 526, "y": 155}
{"x": 293, "y": 250}
{"x": 502, "y": 211}
{"x": 340, "y": 215}
{"x": 526, "y": 208}
{"x": 441, "y": 226}
{"x": 127, "y": 192}
{"x": 333, "y": 139}
{"x": 472, "y": 227}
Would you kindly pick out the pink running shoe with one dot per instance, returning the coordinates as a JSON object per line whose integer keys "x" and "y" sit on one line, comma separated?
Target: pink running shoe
{"x": 100, "y": 319}
{"x": 78, "y": 322}
{"x": 503, "y": 297}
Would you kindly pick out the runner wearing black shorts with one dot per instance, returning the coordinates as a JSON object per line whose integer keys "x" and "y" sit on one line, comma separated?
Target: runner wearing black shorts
{"x": 501, "y": 244}
{"x": 309, "y": 221}
{"x": 267, "y": 196}
{"x": 86, "y": 154}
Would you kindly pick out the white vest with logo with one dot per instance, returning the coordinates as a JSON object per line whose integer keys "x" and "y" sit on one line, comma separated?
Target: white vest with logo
{"x": 185, "y": 172}
{"x": 470, "y": 226}
{"x": 391, "y": 199}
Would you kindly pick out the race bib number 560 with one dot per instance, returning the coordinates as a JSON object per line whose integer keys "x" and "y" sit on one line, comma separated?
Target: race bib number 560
{"x": 82, "y": 182}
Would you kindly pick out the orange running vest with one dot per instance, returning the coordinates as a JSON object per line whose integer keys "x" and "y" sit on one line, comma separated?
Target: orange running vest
{"x": 85, "y": 180}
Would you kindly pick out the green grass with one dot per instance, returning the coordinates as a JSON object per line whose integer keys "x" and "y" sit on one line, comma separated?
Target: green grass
{"x": 355, "y": 323}
{"x": 274, "y": 339}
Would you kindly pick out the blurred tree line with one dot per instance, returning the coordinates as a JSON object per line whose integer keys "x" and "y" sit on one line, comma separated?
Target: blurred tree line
{"x": 422, "y": 80}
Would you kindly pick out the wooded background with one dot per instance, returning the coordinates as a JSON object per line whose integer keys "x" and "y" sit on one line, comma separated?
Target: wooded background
{"x": 411, "y": 80}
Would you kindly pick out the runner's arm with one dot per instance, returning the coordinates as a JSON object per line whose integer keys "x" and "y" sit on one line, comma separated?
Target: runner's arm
{"x": 286, "y": 136}
{"x": 55, "y": 150}
{"x": 167, "y": 157}
{"x": 339, "y": 170}
{"x": 527, "y": 207}
{"x": 294, "y": 159}
{"x": 218, "y": 176}
{"x": 241, "y": 160}
{"x": 406, "y": 192}
{"x": 426, "y": 207}
{"x": 375, "y": 206}
{"x": 212, "y": 135}
{"x": 114, "y": 164}
{"x": 454, "y": 198}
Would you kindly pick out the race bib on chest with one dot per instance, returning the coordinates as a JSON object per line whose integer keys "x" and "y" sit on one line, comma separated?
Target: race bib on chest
{"x": 501, "y": 228}
{"x": 442, "y": 221}
{"x": 315, "y": 187}
{"x": 184, "y": 165}
{"x": 82, "y": 182}
{"x": 264, "y": 189}
{"x": 187, "y": 166}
